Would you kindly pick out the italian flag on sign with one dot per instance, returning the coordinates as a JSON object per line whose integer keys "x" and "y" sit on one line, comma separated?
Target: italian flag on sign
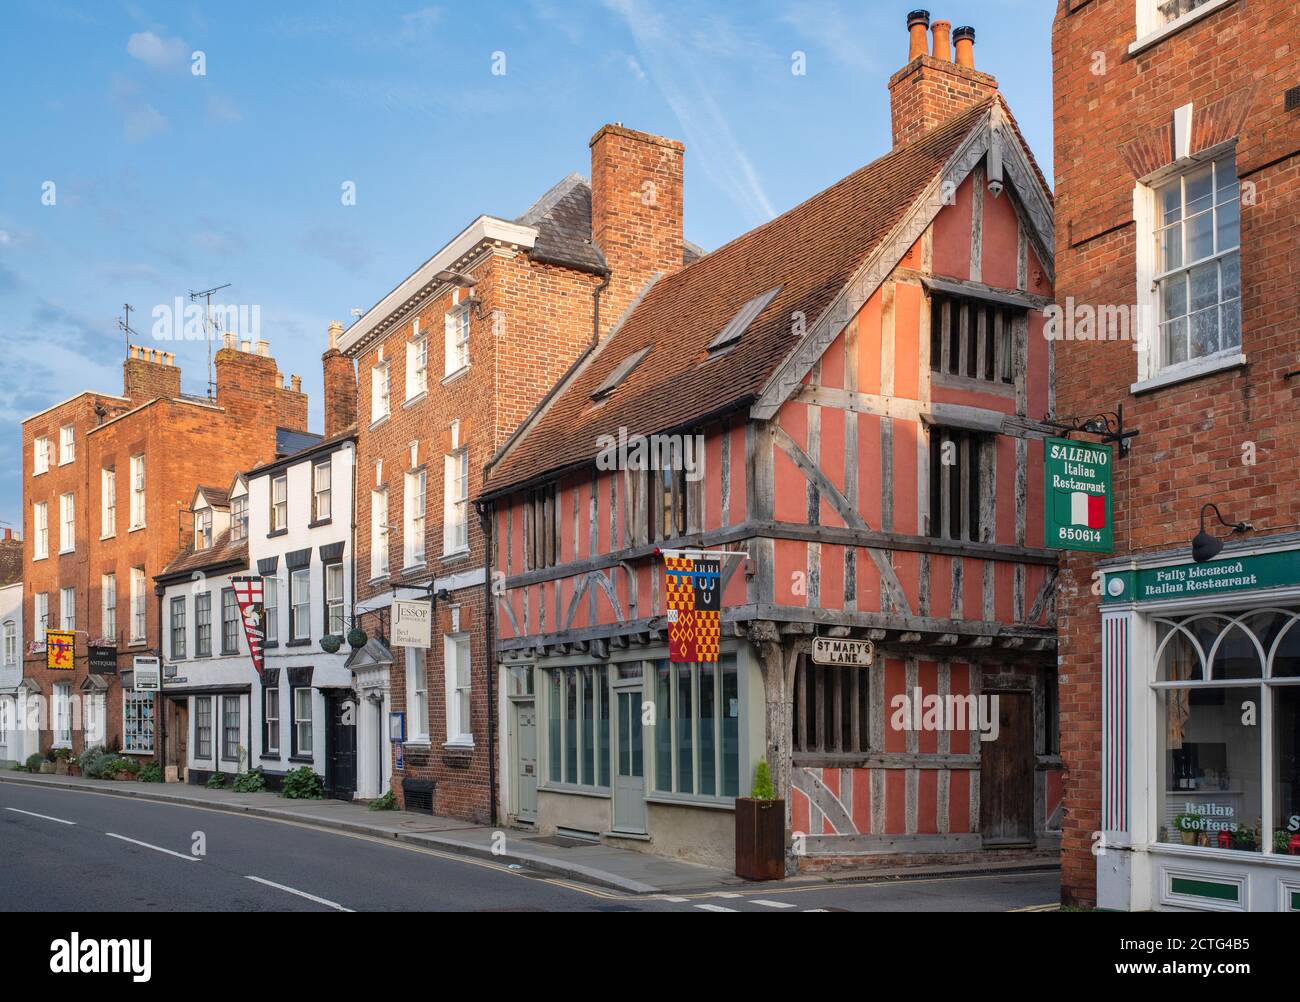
{"x": 1078, "y": 508}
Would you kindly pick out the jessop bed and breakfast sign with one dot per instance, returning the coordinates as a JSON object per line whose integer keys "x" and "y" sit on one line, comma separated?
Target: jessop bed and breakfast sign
{"x": 1078, "y": 495}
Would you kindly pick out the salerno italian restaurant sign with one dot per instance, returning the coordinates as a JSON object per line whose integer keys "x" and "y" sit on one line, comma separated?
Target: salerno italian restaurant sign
{"x": 1078, "y": 496}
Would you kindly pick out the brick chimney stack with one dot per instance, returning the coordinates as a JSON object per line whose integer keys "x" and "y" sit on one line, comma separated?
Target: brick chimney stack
{"x": 636, "y": 211}
{"x": 250, "y": 389}
{"x": 340, "y": 385}
{"x": 932, "y": 89}
{"x": 148, "y": 374}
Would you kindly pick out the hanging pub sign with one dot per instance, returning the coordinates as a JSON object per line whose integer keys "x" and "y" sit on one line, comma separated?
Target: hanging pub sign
{"x": 693, "y": 589}
{"x": 1078, "y": 495}
{"x": 412, "y": 623}
{"x": 59, "y": 648}
{"x": 249, "y": 595}
{"x": 102, "y": 660}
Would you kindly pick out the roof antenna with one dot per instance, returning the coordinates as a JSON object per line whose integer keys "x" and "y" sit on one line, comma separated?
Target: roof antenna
{"x": 207, "y": 325}
{"x": 124, "y": 325}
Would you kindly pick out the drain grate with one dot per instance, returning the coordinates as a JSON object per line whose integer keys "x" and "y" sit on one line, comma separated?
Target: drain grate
{"x": 561, "y": 841}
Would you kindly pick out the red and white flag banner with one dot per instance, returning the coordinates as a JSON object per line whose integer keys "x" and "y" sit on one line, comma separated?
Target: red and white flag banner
{"x": 248, "y": 593}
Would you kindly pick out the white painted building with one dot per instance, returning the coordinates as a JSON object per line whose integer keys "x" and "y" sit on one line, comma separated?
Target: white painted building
{"x": 16, "y": 741}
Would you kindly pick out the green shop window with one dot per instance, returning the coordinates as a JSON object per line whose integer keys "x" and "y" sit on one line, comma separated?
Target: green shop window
{"x": 697, "y": 728}
{"x": 578, "y": 726}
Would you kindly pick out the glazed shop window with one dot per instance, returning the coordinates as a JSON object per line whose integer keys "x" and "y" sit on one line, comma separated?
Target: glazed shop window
{"x": 578, "y": 726}
{"x": 1228, "y": 688}
{"x": 697, "y": 728}
{"x": 137, "y": 722}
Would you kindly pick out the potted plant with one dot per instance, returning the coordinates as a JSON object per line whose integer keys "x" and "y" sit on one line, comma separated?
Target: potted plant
{"x": 1188, "y": 825}
{"x": 61, "y": 756}
{"x": 760, "y": 830}
{"x": 1282, "y": 843}
{"x": 1245, "y": 839}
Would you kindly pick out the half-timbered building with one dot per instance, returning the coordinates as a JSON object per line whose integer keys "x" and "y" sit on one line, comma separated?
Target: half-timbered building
{"x": 844, "y": 405}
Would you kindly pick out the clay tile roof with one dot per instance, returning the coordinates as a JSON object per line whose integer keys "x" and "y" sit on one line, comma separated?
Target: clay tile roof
{"x": 218, "y": 497}
{"x": 222, "y": 552}
{"x": 811, "y": 252}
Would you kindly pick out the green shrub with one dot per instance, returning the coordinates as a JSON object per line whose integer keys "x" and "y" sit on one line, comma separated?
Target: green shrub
{"x": 217, "y": 781}
{"x": 763, "y": 789}
{"x": 34, "y": 761}
{"x": 151, "y": 772}
{"x": 385, "y": 803}
{"x": 250, "y": 782}
{"x": 97, "y": 767}
{"x": 87, "y": 758}
{"x": 302, "y": 784}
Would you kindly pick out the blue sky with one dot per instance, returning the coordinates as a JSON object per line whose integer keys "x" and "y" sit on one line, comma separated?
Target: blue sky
{"x": 165, "y": 181}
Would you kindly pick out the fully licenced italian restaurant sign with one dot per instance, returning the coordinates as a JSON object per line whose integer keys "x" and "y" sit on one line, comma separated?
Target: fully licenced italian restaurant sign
{"x": 1214, "y": 577}
{"x": 1078, "y": 495}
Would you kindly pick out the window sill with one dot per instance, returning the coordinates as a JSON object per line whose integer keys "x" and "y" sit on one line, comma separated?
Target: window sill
{"x": 685, "y": 800}
{"x": 452, "y": 377}
{"x": 271, "y": 756}
{"x": 1188, "y": 371}
{"x": 110, "y": 535}
{"x": 277, "y": 532}
{"x": 378, "y": 422}
{"x": 137, "y": 528}
{"x": 461, "y": 554}
{"x": 44, "y": 556}
{"x": 64, "y": 553}
{"x": 270, "y": 645}
{"x": 1177, "y": 25}
{"x": 419, "y": 744}
{"x": 1204, "y": 852}
{"x": 416, "y": 398}
{"x": 298, "y": 643}
{"x": 303, "y": 759}
{"x": 319, "y": 522}
{"x": 458, "y": 746}
{"x": 599, "y": 792}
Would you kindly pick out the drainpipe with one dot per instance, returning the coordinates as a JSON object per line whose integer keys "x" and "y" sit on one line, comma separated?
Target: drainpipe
{"x": 595, "y": 308}
{"x": 158, "y": 591}
{"x": 489, "y": 625}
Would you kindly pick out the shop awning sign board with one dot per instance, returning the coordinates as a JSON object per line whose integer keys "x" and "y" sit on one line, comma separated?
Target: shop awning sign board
{"x": 1279, "y": 569}
{"x": 1079, "y": 496}
{"x": 844, "y": 653}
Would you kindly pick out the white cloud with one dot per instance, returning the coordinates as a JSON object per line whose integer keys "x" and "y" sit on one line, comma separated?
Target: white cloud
{"x": 221, "y": 110}
{"x": 160, "y": 52}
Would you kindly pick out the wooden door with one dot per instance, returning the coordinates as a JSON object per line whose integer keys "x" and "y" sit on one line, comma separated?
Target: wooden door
{"x": 1007, "y": 773}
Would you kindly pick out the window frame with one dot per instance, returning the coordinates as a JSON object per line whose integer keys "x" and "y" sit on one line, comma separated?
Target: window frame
{"x": 107, "y": 502}
{"x": 229, "y": 754}
{"x": 975, "y": 450}
{"x": 67, "y": 444}
{"x": 455, "y": 501}
{"x": 10, "y": 643}
{"x": 40, "y": 530}
{"x": 203, "y": 529}
{"x": 141, "y": 706}
{"x": 67, "y": 522}
{"x": 139, "y": 607}
{"x": 203, "y": 745}
{"x": 379, "y": 557}
{"x": 329, "y": 569}
{"x": 318, "y": 492}
{"x": 68, "y": 608}
{"x": 456, "y": 334}
{"x": 271, "y": 609}
{"x": 61, "y": 736}
{"x": 460, "y": 732}
{"x": 139, "y": 484}
{"x": 574, "y": 734}
{"x": 670, "y": 719}
{"x": 299, "y": 722}
{"x": 178, "y": 627}
{"x": 41, "y": 455}
{"x": 108, "y": 604}
{"x": 295, "y": 618}
{"x": 279, "y": 513}
{"x": 229, "y": 622}
{"x": 415, "y": 505}
{"x": 203, "y": 624}
{"x": 416, "y": 665}
{"x": 271, "y": 719}
{"x": 239, "y": 517}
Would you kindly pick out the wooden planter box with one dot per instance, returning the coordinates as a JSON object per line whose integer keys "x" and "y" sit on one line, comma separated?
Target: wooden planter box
{"x": 760, "y": 839}
{"x": 47, "y": 768}
{"x": 60, "y": 766}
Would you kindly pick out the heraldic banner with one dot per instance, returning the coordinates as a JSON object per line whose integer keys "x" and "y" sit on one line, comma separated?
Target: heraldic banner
{"x": 248, "y": 593}
{"x": 692, "y": 585}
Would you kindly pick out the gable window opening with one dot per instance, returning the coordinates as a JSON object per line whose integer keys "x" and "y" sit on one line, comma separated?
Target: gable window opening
{"x": 973, "y": 338}
{"x": 239, "y": 518}
{"x": 1198, "y": 263}
{"x": 203, "y": 529}
{"x": 322, "y": 494}
{"x": 957, "y": 483}
{"x": 280, "y": 503}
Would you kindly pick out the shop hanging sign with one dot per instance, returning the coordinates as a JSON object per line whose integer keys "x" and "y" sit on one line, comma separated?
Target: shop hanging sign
{"x": 844, "y": 653}
{"x": 1214, "y": 577}
{"x": 412, "y": 623}
{"x": 252, "y": 604}
{"x": 103, "y": 660}
{"x": 59, "y": 648}
{"x": 1078, "y": 495}
{"x": 693, "y": 592}
{"x": 148, "y": 674}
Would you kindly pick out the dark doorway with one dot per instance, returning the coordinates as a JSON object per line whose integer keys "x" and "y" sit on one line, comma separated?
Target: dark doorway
{"x": 340, "y": 745}
{"x": 1007, "y": 774}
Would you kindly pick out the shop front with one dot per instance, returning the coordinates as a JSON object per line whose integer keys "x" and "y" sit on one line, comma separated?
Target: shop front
{"x": 1200, "y": 705}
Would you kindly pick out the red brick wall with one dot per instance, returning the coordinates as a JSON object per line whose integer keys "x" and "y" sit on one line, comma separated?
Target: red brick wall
{"x": 1193, "y": 435}
{"x": 928, "y": 92}
{"x": 340, "y": 392}
{"x": 150, "y": 374}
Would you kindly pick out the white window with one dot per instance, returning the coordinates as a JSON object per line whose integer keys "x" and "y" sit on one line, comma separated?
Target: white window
{"x": 302, "y": 721}
{"x": 456, "y": 351}
{"x": 417, "y": 363}
{"x": 1154, "y": 15}
{"x": 67, "y": 444}
{"x": 67, "y": 523}
{"x": 380, "y": 390}
{"x": 378, "y": 533}
{"x": 41, "y": 615}
{"x": 40, "y": 530}
{"x": 300, "y": 603}
{"x": 11, "y": 642}
{"x": 95, "y": 719}
{"x": 334, "y": 599}
{"x": 455, "y": 492}
{"x": 108, "y": 605}
{"x": 271, "y": 606}
{"x": 230, "y": 750}
{"x": 203, "y": 727}
{"x": 280, "y": 502}
{"x": 67, "y": 609}
{"x": 456, "y": 661}
{"x": 63, "y": 714}
{"x": 322, "y": 497}
{"x": 40, "y": 455}
{"x": 271, "y": 720}
{"x": 137, "y": 492}
{"x": 107, "y": 502}
{"x": 203, "y": 529}
{"x": 1197, "y": 217}
{"x": 137, "y": 722}
{"x": 413, "y": 532}
{"x": 417, "y": 695}
{"x": 239, "y": 517}
{"x": 138, "y": 606}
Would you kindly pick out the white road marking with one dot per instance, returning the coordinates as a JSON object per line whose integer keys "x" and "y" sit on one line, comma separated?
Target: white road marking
{"x": 814, "y": 909}
{"x": 33, "y": 814}
{"x": 724, "y": 894}
{"x": 672, "y": 898}
{"x": 714, "y": 908}
{"x": 773, "y": 904}
{"x": 302, "y": 894}
{"x": 155, "y": 848}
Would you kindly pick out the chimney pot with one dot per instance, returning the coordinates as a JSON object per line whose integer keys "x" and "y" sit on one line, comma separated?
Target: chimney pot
{"x": 942, "y": 43}
{"x": 296, "y": 383}
{"x": 246, "y": 346}
{"x": 918, "y": 27}
{"x": 336, "y": 334}
{"x": 230, "y": 341}
{"x": 169, "y": 357}
{"x": 264, "y": 348}
{"x": 964, "y": 39}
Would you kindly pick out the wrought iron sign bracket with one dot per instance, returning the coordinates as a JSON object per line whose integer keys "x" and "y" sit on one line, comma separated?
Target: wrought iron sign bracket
{"x": 1108, "y": 426}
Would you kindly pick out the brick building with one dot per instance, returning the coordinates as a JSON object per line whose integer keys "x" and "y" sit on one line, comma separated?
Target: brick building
{"x": 1178, "y": 181}
{"x": 449, "y": 363}
{"x": 107, "y": 485}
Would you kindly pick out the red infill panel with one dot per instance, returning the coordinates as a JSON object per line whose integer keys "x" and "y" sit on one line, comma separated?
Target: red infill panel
{"x": 907, "y": 340}
{"x": 832, "y": 460}
{"x": 952, "y": 232}
{"x": 1001, "y": 248}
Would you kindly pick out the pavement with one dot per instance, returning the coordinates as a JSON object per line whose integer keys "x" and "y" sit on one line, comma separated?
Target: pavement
{"x": 599, "y": 865}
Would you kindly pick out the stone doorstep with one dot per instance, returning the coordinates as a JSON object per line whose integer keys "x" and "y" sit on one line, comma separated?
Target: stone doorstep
{"x": 445, "y": 838}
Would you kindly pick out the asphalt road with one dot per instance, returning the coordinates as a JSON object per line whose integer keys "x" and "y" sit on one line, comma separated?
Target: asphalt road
{"x": 65, "y": 850}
